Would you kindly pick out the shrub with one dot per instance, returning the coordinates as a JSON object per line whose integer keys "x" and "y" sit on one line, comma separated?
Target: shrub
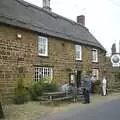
{"x": 21, "y": 93}
{"x": 97, "y": 86}
{"x": 39, "y": 88}
{"x": 49, "y": 87}
{"x": 35, "y": 91}
{"x": 97, "y": 82}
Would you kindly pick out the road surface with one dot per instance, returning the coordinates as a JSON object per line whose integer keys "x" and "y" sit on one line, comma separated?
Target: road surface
{"x": 103, "y": 111}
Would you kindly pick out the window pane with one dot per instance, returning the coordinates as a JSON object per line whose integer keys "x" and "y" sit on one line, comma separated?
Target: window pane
{"x": 42, "y": 46}
{"x": 94, "y": 55}
{"x": 78, "y": 52}
{"x": 41, "y": 72}
{"x": 42, "y": 49}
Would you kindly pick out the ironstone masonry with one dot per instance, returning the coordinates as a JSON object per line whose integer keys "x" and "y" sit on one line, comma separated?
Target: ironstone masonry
{"x": 18, "y": 53}
{"x": 19, "y": 49}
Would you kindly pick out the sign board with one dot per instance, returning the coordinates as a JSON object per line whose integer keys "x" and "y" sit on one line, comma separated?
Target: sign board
{"x": 115, "y": 59}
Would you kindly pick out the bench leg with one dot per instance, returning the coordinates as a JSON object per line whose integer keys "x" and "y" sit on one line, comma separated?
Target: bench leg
{"x": 51, "y": 99}
{"x": 75, "y": 100}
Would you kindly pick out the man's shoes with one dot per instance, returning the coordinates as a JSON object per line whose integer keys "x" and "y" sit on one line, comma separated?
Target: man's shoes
{"x": 86, "y": 102}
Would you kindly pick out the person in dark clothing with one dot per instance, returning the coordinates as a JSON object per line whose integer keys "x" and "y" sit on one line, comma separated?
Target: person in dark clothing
{"x": 86, "y": 96}
{"x": 86, "y": 84}
{"x": 93, "y": 80}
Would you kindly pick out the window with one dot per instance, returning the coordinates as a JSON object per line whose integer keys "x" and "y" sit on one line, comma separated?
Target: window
{"x": 41, "y": 72}
{"x": 95, "y": 72}
{"x": 94, "y": 55}
{"x": 78, "y": 52}
{"x": 72, "y": 78}
{"x": 42, "y": 46}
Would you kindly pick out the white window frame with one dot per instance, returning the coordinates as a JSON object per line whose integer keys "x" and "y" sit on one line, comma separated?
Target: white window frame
{"x": 94, "y": 55}
{"x": 42, "y": 72}
{"x": 95, "y": 72}
{"x": 43, "y": 42}
{"x": 78, "y": 50}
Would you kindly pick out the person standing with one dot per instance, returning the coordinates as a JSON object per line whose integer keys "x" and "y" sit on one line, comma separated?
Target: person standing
{"x": 93, "y": 80}
{"x": 104, "y": 85}
{"x": 86, "y": 84}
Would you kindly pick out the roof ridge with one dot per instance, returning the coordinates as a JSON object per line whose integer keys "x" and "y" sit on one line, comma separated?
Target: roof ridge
{"x": 35, "y": 18}
{"x": 55, "y": 15}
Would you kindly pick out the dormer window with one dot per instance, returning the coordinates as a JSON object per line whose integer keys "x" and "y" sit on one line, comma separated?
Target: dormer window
{"x": 42, "y": 46}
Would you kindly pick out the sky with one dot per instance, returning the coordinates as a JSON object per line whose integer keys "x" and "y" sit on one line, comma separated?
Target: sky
{"x": 102, "y": 17}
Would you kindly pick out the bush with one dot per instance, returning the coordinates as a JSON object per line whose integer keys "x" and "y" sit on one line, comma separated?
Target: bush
{"x": 49, "y": 87}
{"x": 21, "y": 93}
{"x": 43, "y": 86}
{"x": 35, "y": 91}
{"x": 97, "y": 82}
{"x": 97, "y": 86}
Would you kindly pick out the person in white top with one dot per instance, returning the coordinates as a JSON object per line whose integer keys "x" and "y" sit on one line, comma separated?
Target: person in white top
{"x": 104, "y": 82}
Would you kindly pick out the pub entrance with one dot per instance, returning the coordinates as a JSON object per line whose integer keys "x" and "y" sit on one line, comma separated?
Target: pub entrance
{"x": 78, "y": 79}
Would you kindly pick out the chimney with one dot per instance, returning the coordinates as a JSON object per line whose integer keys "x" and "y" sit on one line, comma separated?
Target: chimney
{"x": 46, "y": 5}
{"x": 81, "y": 20}
{"x": 113, "y": 49}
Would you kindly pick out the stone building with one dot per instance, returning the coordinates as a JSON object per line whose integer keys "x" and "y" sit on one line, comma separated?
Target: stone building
{"x": 39, "y": 43}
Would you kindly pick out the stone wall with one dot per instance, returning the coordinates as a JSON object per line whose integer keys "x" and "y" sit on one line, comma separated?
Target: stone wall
{"x": 16, "y": 55}
{"x": 60, "y": 58}
{"x": 20, "y": 55}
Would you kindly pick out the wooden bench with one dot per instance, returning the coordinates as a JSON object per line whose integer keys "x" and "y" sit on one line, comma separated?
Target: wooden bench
{"x": 61, "y": 96}
{"x": 52, "y": 97}
{"x": 55, "y": 95}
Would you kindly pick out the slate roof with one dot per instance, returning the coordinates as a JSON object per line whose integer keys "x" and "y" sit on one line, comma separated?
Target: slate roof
{"x": 22, "y": 14}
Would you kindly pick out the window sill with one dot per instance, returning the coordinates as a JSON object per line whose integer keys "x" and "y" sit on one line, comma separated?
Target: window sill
{"x": 95, "y": 62}
{"x": 79, "y": 60}
{"x": 44, "y": 56}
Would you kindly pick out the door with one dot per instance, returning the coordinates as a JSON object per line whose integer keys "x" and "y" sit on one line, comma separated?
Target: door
{"x": 78, "y": 79}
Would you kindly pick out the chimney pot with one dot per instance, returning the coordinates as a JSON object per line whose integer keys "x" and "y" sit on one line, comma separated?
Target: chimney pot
{"x": 46, "y": 5}
{"x": 81, "y": 20}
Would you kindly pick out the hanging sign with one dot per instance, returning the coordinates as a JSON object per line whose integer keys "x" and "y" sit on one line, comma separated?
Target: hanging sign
{"x": 115, "y": 59}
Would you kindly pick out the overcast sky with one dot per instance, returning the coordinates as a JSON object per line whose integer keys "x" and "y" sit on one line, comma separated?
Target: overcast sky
{"x": 102, "y": 17}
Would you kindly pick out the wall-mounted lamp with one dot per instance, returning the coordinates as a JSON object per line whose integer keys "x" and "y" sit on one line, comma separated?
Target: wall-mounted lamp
{"x": 19, "y": 36}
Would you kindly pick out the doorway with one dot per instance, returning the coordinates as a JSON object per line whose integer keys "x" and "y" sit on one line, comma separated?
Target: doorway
{"x": 78, "y": 79}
